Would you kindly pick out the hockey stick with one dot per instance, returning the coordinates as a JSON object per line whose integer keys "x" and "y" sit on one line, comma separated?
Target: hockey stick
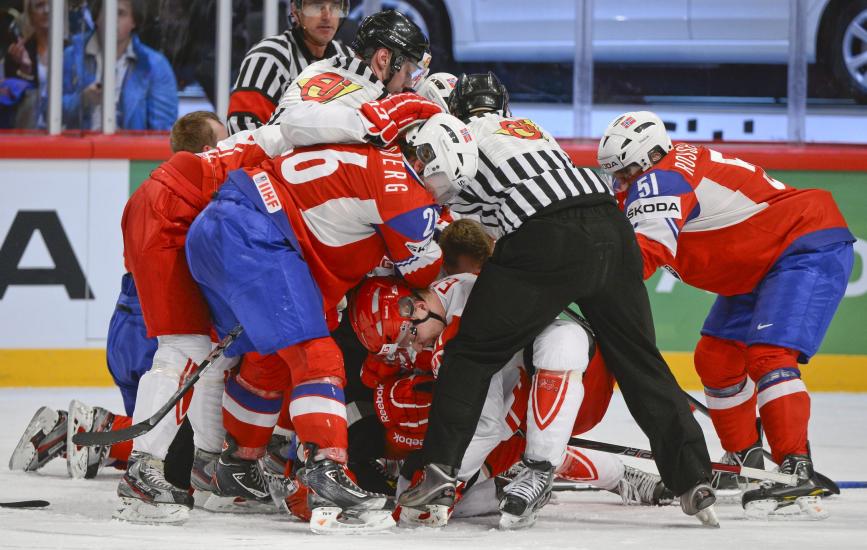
{"x": 743, "y": 471}
{"x": 110, "y": 438}
{"x": 826, "y": 481}
{"x": 25, "y": 504}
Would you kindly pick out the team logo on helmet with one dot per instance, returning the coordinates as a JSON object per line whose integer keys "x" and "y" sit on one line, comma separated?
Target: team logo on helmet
{"x": 521, "y": 128}
{"x": 326, "y": 87}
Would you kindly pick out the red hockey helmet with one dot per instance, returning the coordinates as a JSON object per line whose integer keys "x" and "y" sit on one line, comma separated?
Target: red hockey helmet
{"x": 380, "y": 312}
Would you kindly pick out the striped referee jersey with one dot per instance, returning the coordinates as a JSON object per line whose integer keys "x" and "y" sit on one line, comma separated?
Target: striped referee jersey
{"x": 267, "y": 70}
{"x": 522, "y": 170}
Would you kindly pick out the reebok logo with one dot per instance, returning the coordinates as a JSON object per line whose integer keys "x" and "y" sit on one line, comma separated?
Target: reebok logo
{"x": 761, "y": 326}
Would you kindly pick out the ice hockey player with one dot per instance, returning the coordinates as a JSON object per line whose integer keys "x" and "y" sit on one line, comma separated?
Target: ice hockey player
{"x": 276, "y": 251}
{"x": 555, "y": 388}
{"x": 392, "y": 55}
{"x": 273, "y": 64}
{"x": 560, "y": 239}
{"x": 129, "y": 354}
{"x": 778, "y": 258}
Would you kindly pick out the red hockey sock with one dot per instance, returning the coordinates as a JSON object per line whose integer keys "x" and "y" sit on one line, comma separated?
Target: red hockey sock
{"x": 120, "y": 451}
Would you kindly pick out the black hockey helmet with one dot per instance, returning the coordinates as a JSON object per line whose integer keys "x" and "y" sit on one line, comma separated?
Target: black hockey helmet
{"x": 478, "y": 93}
{"x": 395, "y": 31}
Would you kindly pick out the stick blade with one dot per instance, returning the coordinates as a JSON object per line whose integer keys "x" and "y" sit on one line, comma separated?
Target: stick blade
{"x": 25, "y": 504}
{"x": 828, "y": 484}
{"x": 90, "y": 439}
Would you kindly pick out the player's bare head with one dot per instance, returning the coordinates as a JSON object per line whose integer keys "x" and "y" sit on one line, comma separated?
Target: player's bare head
{"x": 466, "y": 247}
{"x": 631, "y": 145}
{"x": 319, "y": 20}
{"x": 197, "y": 132}
{"x": 395, "y": 48}
{"x": 479, "y": 93}
{"x": 444, "y": 152}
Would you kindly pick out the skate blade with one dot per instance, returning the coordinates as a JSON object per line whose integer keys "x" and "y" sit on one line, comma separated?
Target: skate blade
{"x": 707, "y": 517}
{"x": 809, "y": 508}
{"x": 237, "y": 505}
{"x": 133, "y": 510}
{"x": 331, "y": 520}
{"x": 80, "y": 415}
{"x": 431, "y": 515}
{"x": 510, "y": 522}
{"x": 24, "y": 453}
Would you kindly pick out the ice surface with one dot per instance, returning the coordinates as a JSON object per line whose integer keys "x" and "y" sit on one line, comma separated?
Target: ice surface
{"x": 80, "y": 513}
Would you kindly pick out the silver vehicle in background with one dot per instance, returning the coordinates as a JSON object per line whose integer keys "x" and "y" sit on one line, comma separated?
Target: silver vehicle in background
{"x": 642, "y": 31}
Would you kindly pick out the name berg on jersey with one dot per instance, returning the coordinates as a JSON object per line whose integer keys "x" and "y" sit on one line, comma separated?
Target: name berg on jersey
{"x": 394, "y": 171}
{"x": 685, "y": 156}
{"x": 266, "y": 191}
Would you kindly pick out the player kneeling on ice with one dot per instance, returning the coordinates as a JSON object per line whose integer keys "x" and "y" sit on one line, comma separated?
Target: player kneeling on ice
{"x": 277, "y": 248}
{"x": 551, "y": 390}
{"x": 787, "y": 259}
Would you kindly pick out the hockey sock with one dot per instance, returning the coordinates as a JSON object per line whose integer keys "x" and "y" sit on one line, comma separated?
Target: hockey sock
{"x": 784, "y": 404}
{"x": 318, "y": 412}
{"x": 505, "y": 455}
{"x": 729, "y": 393}
{"x": 602, "y": 470}
{"x": 175, "y": 355}
{"x": 119, "y": 452}
{"x": 554, "y": 401}
{"x": 205, "y": 411}
{"x": 252, "y": 402}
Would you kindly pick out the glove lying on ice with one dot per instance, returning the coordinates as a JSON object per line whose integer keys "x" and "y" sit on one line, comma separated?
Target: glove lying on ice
{"x": 389, "y": 116}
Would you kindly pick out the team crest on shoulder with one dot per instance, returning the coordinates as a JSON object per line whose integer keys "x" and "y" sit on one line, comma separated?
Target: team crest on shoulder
{"x": 521, "y": 128}
{"x": 326, "y": 87}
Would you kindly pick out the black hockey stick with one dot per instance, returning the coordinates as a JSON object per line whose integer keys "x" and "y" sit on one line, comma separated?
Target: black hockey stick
{"x": 25, "y": 504}
{"x": 743, "y": 471}
{"x": 826, "y": 481}
{"x": 110, "y": 438}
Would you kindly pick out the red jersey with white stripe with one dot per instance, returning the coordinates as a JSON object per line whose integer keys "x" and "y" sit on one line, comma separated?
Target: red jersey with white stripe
{"x": 720, "y": 223}
{"x": 350, "y": 205}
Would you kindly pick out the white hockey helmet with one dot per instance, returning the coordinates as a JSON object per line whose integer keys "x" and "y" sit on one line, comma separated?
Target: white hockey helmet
{"x": 437, "y": 88}
{"x": 449, "y": 152}
{"x": 630, "y": 139}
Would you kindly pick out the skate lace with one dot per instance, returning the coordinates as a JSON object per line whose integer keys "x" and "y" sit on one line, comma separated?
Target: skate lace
{"x": 529, "y": 484}
{"x": 347, "y": 481}
{"x": 637, "y": 486}
{"x": 151, "y": 472}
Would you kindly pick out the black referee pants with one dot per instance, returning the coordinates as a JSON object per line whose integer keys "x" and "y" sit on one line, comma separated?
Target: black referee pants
{"x": 582, "y": 254}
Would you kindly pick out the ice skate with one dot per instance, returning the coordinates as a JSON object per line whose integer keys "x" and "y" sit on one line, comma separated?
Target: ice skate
{"x": 239, "y": 477}
{"x": 43, "y": 440}
{"x": 202, "y": 482}
{"x": 84, "y": 462}
{"x": 336, "y": 502}
{"x": 698, "y": 502}
{"x": 429, "y": 498}
{"x": 146, "y": 496}
{"x": 526, "y": 494}
{"x": 778, "y": 501}
{"x": 730, "y": 487}
{"x": 639, "y": 487}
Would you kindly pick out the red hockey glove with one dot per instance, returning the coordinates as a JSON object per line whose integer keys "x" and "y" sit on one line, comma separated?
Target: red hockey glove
{"x": 390, "y": 116}
{"x": 403, "y": 404}
{"x": 376, "y": 369}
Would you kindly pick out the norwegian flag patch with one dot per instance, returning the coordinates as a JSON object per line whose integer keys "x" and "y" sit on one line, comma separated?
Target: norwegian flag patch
{"x": 627, "y": 122}
{"x": 466, "y": 133}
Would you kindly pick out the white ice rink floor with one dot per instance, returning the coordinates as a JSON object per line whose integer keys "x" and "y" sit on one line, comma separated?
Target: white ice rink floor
{"x": 79, "y": 516}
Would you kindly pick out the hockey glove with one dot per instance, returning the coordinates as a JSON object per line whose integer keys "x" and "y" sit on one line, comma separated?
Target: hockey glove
{"x": 404, "y": 404}
{"x": 388, "y": 117}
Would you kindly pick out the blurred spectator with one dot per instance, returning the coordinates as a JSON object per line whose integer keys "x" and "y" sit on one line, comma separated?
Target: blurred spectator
{"x": 27, "y": 59}
{"x": 145, "y": 91}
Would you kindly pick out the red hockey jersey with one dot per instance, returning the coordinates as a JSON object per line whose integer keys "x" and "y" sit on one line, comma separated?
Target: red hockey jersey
{"x": 720, "y": 223}
{"x": 350, "y": 205}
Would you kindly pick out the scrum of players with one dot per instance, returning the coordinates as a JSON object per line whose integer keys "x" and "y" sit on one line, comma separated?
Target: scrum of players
{"x": 327, "y": 235}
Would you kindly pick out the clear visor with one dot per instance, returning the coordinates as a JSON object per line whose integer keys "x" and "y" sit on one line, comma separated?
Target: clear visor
{"x": 406, "y": 335}
{"x": 440, "y": 186}
{"x": 315, "y": 8}
{"x": 419, "y": 70}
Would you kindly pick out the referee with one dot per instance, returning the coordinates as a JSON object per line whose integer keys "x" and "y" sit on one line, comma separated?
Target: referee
{"x": 561, "y": 239}
{"x": 274, "y": 63}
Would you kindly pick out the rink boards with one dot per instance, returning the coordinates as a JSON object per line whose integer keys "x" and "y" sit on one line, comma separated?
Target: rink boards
{"x": 61, "y": 263}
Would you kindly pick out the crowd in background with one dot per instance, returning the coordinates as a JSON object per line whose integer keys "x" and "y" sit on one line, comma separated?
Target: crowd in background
{"x": 163, "y": 46}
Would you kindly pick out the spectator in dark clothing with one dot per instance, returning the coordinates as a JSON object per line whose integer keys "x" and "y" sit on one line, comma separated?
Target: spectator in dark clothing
{"x": 27, "y": 59}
